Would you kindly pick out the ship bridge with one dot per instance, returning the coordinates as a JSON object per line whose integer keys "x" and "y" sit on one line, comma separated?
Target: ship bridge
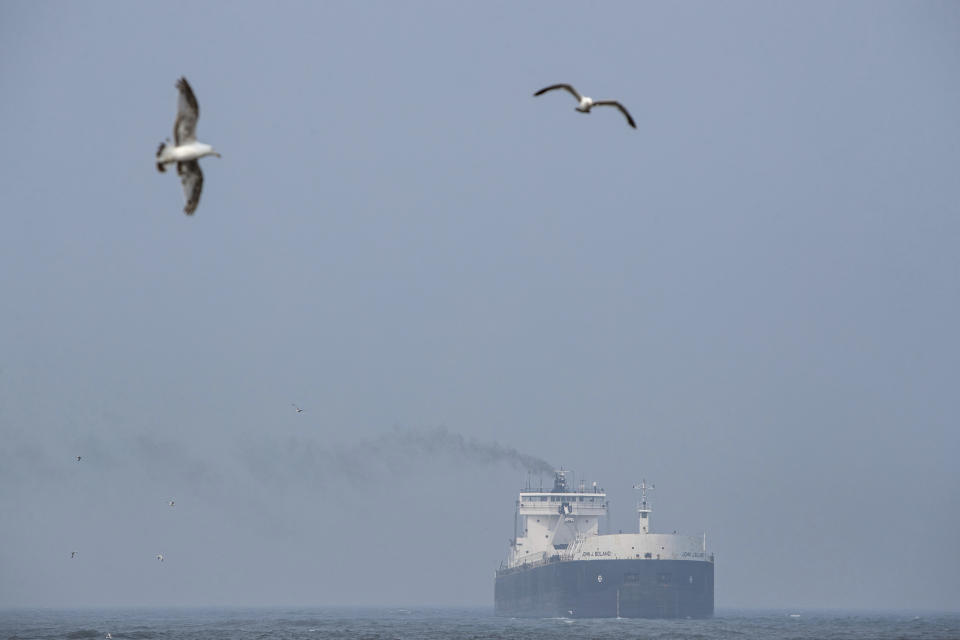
{"x": 556, "y": 521}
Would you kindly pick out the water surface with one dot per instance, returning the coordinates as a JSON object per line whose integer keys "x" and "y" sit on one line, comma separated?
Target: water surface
{"x": 454, "y": 624}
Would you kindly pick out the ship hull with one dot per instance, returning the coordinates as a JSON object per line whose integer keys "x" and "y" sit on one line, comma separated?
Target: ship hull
{"x": 640, "y": 588}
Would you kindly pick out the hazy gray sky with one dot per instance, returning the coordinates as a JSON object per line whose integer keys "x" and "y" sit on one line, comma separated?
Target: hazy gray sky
{"x": 752, "y": 299}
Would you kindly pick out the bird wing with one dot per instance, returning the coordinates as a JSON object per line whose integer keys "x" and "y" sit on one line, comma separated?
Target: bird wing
{"x": 188, "y": 112}
{"x": 560, "y": 86}
{"x": 614, "y": 103}
{"x": 191, "y": 177}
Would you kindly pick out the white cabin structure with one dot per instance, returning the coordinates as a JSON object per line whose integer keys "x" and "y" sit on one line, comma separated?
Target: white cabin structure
{"x": 564, "y": 524}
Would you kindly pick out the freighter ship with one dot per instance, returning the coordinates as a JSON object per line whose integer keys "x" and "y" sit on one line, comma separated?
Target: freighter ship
{"x": 561, "y": 566}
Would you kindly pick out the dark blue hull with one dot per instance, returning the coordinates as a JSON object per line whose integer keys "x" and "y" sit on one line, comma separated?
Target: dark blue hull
{"x": 641, "y": 588}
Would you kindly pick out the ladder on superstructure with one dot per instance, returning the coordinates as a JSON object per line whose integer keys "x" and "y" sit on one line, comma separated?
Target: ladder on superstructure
{"x": 575, "y": 548}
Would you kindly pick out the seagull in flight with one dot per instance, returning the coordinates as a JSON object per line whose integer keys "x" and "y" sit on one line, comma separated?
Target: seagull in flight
{"x": 299, "y": 410}
{"x": 160, "y": 557}
{"x": 588, "y": 103}
{"x": 171, "y": 503}
{"x": 73, "y": 554}
{"x": 109, "y": 636}
{"x": 79, "y": 458}
{"x": 186, "y": 150}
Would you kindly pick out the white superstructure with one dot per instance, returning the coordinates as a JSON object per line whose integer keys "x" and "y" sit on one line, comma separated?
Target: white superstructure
{"x": 564, "y": 524}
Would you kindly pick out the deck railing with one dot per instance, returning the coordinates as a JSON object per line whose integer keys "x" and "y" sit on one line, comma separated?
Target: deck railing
{"x": 569, "y": 558}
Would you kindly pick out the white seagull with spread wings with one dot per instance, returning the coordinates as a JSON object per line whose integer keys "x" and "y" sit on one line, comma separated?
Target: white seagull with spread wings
{"x": 186, "y": 150}
{"x": 588, "y": 103}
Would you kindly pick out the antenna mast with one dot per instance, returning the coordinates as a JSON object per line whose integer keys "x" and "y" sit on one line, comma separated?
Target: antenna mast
{"x": 643, "y": 509}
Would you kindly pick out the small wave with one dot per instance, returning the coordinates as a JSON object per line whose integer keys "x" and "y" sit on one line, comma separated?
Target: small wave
{"x": 307, "y": 622}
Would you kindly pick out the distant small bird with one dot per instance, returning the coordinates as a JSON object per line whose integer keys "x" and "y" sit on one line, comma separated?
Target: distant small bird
{"x": 73, "y": 554}
{"x": 109, "y": 636}
{"x": 160, "y": 557}
{"x": 171, "y": 503}
{"x": 299, "y": 410}
{"x": 79, "y": 458}
{"x": 186, "y": 151}
{"x": 588, "y": 103}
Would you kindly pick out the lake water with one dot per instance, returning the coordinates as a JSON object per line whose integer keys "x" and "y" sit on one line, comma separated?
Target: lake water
{"x": 453, "y": 624}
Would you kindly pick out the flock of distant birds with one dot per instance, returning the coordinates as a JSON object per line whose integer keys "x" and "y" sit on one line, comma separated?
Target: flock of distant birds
{"x": 186, "y": 151}
{"x": 170, "y": 503}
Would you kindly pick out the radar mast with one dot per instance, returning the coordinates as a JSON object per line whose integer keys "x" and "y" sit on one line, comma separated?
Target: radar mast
{"x": 643, "y": 508}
